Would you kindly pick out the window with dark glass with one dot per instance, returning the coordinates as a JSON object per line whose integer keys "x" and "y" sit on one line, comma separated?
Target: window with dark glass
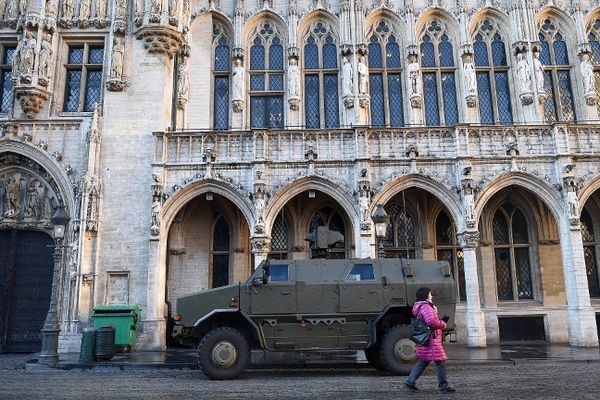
{"x": 266, "y": 78}
{"x": 447, "y": 250}
{"x": 279, "y": 273}
{"x": 220, "y": 254}
{"x": 385, "y": 84}
{"x": 594, "y": 40}
{"x": 7, "y": 53}
{"x": 438, "y": 74}
{"x": 221, "y": 70}
{"x": 321, "y": 78}
{"x": 492, "y": 75}
{"x": 279, "y": 239}
{"x": 400, "y": 240}
{"x": 590, "y": 253}
{"x": 333, "y": 220}
{"x": 361, "y": 272}
{"x": 557, "y": 74}
{"x": 512, "y": 250}
{"x": 83, "y": 83}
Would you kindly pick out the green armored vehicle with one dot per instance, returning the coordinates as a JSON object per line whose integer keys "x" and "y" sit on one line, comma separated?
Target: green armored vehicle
{"x": 319, "y": 304}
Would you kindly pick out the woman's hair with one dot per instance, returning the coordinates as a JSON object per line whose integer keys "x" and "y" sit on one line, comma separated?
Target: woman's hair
{"x": 423, "y": 293}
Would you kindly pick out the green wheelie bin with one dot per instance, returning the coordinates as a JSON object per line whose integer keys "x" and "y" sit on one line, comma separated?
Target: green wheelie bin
{"x": 123, "y": 318}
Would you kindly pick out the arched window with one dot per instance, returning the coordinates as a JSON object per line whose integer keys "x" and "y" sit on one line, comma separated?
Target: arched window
{"x": 321, "y": 78}
{"x": 594, "y": 39}
{"x": 512, "y": 254}
{"x": 266, "y": 78}
{"x": 557, "y": 79}
{"x": 279, "y": 239}
{"x": 221, "y": 68}
{"x": 400, "y": 239}
{"x": 332, "y": 219}
{"x": 492, "y": 75}
{"x": 590, "y": 253}
{"x": 220, "y": 254}
{"x": 439, "y": 82}
{"x": 385, "y": 82}
{"x": 447, "y": 250}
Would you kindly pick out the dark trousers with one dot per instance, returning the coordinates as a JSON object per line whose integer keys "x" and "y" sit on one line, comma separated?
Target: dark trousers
{"x": 420, "y": 366}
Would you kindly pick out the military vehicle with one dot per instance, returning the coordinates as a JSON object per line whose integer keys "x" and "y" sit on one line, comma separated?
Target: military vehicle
{"x": 319, "y": 304}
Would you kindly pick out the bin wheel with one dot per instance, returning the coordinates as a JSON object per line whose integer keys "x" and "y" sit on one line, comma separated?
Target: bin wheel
{"x": 397, "y": 351}
{"x": 223, "y": 353}
{"x": 372, "y": 354}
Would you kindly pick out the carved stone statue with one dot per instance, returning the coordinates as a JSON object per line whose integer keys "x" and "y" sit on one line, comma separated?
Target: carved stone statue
{"x": 121, "y": 8}
{"x": 118, "y": 53}
{"x": 85, "y": 9}
{"x": 45, "y": 66}
{"x": 101, "y": 9}
{"x": 50, "y": 7}
{"x": 3, "y": 197}
{"x": 414, "y": 77}
{"x": 587, "y": 73}
{"x": 347, "y": 81}
{"x": 2, "y": 8}
{"x": 14, "y": 195}
{"x": 67, "y": 9}
{"x": 293, "y": 81}
{"x": 155, "y": 227}
{"x": 364, "y": 203}
{"x": 237, "y": 92}
{"x": 28, "y": 54}
{"x": 16, "y": 67}
{"x": 183, "y": 80}
{"x": 573, "y": 203}
{"x": 469, "y": 76}
{"x": 155, "y": 6}
{"x": 538, "y": 72}
{"x": 12, "y": 11}
{"x": 173, "y": 7}
{"x": 363, "y": 76}
{"x": 259, "y": 206}
{"x": 186, "y": 11}
{"x": 524, "y": 73}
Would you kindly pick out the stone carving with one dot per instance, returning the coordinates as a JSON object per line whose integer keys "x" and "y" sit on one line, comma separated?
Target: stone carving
{"x": 524, "y": 74}
{"x": 414, "y": 81}
{"x": 67, "y": 13}
{"x": 50, "y": 7}
{"x": 237, "y": 92}
{"x": 25, "y": 197}
{"x": 160, "y": 40}
{"x": 155, "y": 10}
{"x": 85, "y": 10}
{"x": 347, "y": 78}
{"x": 468, "y": 239}
{"x": 121, "y": 8}
{"x": 363, "y": 76}
{"x": 185, "y": 14}
{"x": 2, "y": 8}
{"x": 31, "y": 99}
{"x": 470, "y": 80}
{"x": 469, "y": 202}
{"x": 183, "y": 84}
{"x": 101, "y": 9}
{"x": 12, "y": 11}
{"x": 27, "y": 57}
{"x": 293, "y": 84}
{"x": 45, "y": 64}
{"x": 538, "y": 73}
{"x": 259, "y": 207}
{"x": 118, "y": 54}
{"x": 364, "y": 203}
{"x": 589, "y": 85}
{"x": 174, "y": 12}
{"x": 155, "y": 226}
{"x": 139, "y": 12}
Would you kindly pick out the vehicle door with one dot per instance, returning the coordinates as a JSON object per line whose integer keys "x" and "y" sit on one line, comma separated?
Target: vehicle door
{"x": 361, "y": 289}
{"x": 276, "y": 293}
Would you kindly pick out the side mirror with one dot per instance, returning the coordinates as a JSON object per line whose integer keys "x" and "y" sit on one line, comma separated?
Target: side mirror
{"x": 257, "y": 281}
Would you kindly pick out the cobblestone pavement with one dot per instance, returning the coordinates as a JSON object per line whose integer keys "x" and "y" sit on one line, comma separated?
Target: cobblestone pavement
{"x": 524, "y": 380}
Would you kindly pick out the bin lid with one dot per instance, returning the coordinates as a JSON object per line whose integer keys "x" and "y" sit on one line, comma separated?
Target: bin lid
{"x": 121, "y": 308}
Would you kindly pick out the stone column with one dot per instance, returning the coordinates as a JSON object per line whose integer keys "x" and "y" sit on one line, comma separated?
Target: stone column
{"x": 414, "y": 84}
{"x": 476, "y": 336}
{"x": 261, "y": 245}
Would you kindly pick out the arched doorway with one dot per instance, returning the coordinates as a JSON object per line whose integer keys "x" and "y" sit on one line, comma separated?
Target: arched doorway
{"x": 26, "y": 268}
{"x": 590, "y": 235}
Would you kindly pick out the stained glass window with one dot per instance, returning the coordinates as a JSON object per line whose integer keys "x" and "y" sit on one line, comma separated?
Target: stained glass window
{"x": 557, "y": 83}
{"x": 385, "y": 85}
{"x": 438, "y": 72}
{"x": 512, "y": 251}
{"x": 83, "y": 78}
{"x": 221, "y": 83}
{"x": 266, "y": 75}
{"x": 321, "y": 77}
{"x": 6, "y": 86}
{"x": 492, "y": 75}
{"x": 590, "y": 253}
{"x": 447, "y": 250}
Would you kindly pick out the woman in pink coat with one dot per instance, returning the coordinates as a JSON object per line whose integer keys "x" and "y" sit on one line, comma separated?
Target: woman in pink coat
{"x": 434, "y": 350}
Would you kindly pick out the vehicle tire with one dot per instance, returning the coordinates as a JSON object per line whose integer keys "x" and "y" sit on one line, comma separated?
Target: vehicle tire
{"x": 223, "y": 353}
{"x": 372, "y": 354}
{"x": 397, "y": 351}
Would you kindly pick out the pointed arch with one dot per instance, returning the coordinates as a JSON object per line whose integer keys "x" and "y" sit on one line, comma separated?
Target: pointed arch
{"x": 253, "y": 24}
{"x": 591, "y": 187}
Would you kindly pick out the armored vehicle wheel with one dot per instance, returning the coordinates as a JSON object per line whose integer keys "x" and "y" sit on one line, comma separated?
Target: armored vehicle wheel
{"x": 223, "y": 353}
{"x": 397, "y": 351}
{"x": 372, "y": 354}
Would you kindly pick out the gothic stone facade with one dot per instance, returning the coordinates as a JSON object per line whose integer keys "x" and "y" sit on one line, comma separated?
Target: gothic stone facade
{"x": 189, "y": 140}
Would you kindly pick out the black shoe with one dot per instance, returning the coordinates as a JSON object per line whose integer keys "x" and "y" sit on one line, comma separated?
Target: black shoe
{"x": 411, "y": 387}
{"x": 446, "y": 389}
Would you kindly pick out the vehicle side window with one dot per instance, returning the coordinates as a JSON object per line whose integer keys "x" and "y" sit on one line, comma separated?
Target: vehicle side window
{"x": 278, "y": 273}
{"x": 361, "y": 272}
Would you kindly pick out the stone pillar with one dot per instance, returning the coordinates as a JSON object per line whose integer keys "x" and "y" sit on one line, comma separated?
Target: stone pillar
{"x": 476, "y": 336}
{"x": 414, "y": 83}
{"x": 261, "y": 245}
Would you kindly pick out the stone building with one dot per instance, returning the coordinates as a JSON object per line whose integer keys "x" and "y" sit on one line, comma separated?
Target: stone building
{"x": 188, "y": 140}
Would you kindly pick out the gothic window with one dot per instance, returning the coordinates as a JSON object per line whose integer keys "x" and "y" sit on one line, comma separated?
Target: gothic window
{"x": 385, "y": 84}
{"x": 266, "y": 78}
{"x": 221, "y": 69}
{"x": 512, "y": 250}
{"x": 492, "y": 75}
{"x": 557, "y": 79}
{"x": 279, "y": 239}
{"x": 333, "y": 220}
{"x": 594, "y": 40}
{"x": 220, "y": 256}
{"x": 590, "y": 253}
{"x": 447, "y": 250}
{"x": 6, "y": 88}
{"x": 321, "y": 78}
{"x": 439, "y": 82}
{"x": 400, "y": 239}
{"x": 83, "y": 83}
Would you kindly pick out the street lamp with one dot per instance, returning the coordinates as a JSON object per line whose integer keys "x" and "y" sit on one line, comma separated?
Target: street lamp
{"x": 49, "y": 353}
{"x": 381, "y": 220}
